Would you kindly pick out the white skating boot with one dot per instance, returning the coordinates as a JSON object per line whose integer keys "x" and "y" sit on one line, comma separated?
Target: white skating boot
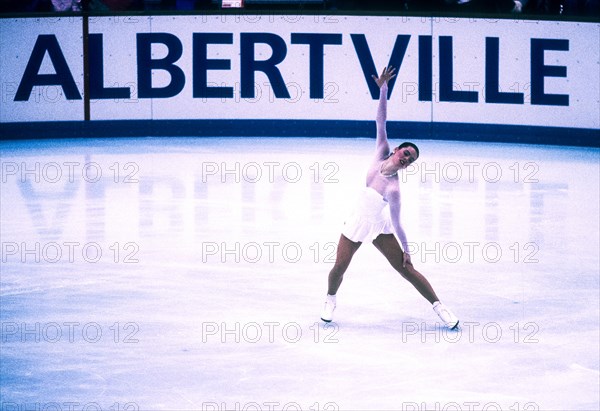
{"x": 327, "y": 313}
{"x": 445, "y": 315}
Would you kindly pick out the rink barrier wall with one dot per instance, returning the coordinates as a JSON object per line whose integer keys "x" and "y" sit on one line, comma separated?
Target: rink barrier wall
{"x": 489, "y": 133}
{"x": 472, "y": 79}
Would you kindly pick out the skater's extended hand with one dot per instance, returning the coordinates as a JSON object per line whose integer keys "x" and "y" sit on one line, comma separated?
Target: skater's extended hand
{"x": 386, "y": 75}
{"x": 406, "y": 260}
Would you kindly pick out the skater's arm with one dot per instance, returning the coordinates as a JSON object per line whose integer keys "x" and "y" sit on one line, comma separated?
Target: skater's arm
{"x": 393, "y": 198}
{"x": 381, "y": 145}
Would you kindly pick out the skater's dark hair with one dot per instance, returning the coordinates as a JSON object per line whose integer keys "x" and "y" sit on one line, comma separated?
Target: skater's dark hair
{"x": 409, "y": 144}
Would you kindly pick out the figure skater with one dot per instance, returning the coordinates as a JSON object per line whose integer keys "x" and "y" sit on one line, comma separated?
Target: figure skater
{"x": 377, "y": 216}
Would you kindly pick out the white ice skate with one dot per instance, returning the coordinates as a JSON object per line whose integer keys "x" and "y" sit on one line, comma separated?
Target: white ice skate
{"x": 327, "y": 313}
{"x": 445, "y": 315}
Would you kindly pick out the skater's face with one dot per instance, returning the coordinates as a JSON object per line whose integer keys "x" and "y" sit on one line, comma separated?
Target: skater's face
{"x": 403, "y": 157}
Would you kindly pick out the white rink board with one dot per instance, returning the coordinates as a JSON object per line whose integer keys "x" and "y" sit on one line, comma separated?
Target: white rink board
{"x": 344, "y": 93}
{"x": 45, "y": 103}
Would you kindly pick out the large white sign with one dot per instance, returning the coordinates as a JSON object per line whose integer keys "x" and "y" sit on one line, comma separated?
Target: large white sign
{"x": 515, "y": 72}
{"x": 41, "y": 69}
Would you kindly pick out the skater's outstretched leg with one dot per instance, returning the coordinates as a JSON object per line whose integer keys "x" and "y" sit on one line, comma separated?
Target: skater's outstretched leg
{"x": 345, "y": 252}
{"x": 389, "y": 247}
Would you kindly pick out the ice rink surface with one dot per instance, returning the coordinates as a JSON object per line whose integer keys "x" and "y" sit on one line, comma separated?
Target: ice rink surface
{"x": 189, "y": 274}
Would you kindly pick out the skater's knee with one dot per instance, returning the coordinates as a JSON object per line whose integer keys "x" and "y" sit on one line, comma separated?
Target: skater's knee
{"x": 400, "y": 267}
{"x": 340, "y": 266}
{"x": 407, "y": 271}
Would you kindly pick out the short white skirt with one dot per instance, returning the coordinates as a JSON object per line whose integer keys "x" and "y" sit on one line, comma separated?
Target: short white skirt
{"x": 370, "y": 218}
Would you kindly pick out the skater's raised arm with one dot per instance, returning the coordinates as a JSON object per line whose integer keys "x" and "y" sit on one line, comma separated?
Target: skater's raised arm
{"x": 381, "y": 145}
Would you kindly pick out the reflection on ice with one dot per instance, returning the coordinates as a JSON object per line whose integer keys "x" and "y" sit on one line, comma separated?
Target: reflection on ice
{"x": 190, "y": 273}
